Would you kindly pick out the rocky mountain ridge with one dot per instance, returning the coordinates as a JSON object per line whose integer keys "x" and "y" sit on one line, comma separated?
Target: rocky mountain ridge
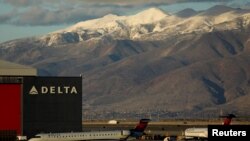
{"x": 151, "y": 24}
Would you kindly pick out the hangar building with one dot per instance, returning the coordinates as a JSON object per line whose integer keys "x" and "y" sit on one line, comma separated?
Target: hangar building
{"x": 31, "y": 104}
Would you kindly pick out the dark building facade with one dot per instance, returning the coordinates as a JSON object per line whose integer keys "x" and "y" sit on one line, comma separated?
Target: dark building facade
{"x": 33, "y": 105}
{"x": 52, "y": 104}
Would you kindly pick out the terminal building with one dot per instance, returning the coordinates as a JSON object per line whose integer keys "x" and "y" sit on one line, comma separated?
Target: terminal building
{"x": 31, "y": 104}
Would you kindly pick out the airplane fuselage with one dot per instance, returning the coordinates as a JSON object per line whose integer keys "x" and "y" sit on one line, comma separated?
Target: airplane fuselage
{"x": 78, "y": 136}
{"x": 196, "y": 133}
{"x": 94, "y": 135}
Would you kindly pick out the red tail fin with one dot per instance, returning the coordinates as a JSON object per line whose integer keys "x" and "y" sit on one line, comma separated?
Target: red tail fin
{"x": 228, "y": 119}
{"x": 142, "y": 125}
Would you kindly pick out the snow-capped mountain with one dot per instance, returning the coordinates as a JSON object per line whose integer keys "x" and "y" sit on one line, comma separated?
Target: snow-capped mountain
{"x": 151, "y": 24}
{"x": 120, "y": 27}
{"x": 183, "y": 64}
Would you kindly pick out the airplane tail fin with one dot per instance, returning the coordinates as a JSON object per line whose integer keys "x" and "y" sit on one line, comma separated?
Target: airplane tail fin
{"x": 138, "y": 131}
{"x": 142, "y": 125}
{"x": 228, "y": 119}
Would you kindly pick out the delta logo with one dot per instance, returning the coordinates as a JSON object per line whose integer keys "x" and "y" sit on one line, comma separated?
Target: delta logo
{"x": 53, "y": 90}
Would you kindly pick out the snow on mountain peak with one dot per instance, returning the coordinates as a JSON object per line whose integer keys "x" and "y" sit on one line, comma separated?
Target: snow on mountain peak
{"x": 147, "y": 16}
{"x": 152, "y": 24}
{"x": 95, "y": 23}
{"x": 110, "y": 21}
{"x": 153, "y": 11}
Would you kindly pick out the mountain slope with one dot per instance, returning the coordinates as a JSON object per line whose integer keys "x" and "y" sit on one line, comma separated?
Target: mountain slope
{"x": 191, "y": 79}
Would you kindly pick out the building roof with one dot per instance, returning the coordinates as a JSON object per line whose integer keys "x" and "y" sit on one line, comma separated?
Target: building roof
{"x": 12, "y": 69}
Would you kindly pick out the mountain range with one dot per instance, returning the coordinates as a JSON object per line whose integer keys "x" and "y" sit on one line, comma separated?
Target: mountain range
{"x": 186, "y": 64}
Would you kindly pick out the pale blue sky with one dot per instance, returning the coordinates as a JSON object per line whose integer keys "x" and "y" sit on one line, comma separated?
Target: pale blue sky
{"x": 26, "y": 18}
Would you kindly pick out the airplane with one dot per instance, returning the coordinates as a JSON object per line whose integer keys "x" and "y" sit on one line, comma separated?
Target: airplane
{"x": 137, "y": 132}
{"x": 202, "y": 133}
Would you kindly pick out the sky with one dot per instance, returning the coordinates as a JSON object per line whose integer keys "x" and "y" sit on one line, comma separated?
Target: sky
{"x": 26, "y": 18}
